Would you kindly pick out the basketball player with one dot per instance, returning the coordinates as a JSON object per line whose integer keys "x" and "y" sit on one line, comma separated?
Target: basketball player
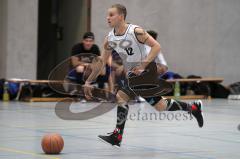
{"x": 129, "y": 42}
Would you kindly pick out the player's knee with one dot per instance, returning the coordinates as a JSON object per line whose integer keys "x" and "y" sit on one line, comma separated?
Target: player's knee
{"x": 161, "y": 105}
{"x": 80, "y": 69}
{"x": 121, "y": 97}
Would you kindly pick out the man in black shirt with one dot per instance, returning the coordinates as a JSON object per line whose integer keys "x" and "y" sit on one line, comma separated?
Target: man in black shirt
{"x": 85, "y": 49}
{"x": 82, "y": 55}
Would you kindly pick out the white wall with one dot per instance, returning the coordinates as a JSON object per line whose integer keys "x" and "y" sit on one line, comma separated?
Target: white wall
{"x": 19, "y": 21}
{"x": 198, "y": 37}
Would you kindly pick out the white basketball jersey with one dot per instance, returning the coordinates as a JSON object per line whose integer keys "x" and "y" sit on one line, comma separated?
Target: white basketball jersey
{"x": 128, "y": 47}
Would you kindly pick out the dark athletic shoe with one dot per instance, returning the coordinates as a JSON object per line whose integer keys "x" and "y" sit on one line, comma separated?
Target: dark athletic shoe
{"x": 114, "y": 138}
{"x": 198, "y": 112}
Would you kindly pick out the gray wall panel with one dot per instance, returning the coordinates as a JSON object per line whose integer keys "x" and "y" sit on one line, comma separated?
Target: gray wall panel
{"x": 197, "y": 37}
{"x": 20, "y": 39}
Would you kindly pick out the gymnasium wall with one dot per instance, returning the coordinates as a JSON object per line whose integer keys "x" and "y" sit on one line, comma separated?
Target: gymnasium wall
{"x": 2, "y": 38}
{"x": 197, "y": 37}
{"x": 18, "y": 40}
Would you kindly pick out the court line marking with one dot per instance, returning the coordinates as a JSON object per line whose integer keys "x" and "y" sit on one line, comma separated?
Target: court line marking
{"x": 139, "y": 147}
{"x": 26, "y": 153}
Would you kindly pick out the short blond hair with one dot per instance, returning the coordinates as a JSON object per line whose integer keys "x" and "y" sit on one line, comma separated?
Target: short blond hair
{"x": 121, "y": 9}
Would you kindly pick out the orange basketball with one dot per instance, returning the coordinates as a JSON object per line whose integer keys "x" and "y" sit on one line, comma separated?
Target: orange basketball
{"x": 52, "y": 143}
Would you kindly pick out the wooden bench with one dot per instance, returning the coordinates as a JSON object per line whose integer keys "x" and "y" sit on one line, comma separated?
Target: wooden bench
{"x": 55, "y": 99}
{"x": 194, "y": 80}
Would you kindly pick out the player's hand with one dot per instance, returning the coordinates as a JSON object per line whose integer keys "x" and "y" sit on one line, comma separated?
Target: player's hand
{"x": 138, "y": 70}
{"x": 87, "y": 88}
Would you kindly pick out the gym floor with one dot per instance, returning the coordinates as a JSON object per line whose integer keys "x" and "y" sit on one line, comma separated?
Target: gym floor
{"x": 148, "y": 134}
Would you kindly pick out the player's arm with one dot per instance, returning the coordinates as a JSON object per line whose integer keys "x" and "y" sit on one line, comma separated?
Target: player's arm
{"x": 99, "y": 62}
{"x": 145, "y": 38}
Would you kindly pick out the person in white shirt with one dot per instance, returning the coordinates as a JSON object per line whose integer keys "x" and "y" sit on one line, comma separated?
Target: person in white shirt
{"x": 129, "y": 42}
{"x": 160, "y": 60}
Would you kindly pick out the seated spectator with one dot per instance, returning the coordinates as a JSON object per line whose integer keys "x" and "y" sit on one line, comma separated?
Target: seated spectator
{"x": 83, "y": 54}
